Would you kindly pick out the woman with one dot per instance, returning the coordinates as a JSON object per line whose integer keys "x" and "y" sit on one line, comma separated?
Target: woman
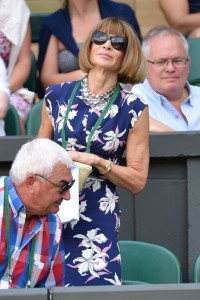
{"x": 65, "y": 30}
{"x": 15, "y": 41}
{"x": 184, "y": 15}
{"x": 95, "y": 120}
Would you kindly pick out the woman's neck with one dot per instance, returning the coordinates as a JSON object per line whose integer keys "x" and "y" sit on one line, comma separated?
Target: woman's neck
{"x": 101, "y": 82}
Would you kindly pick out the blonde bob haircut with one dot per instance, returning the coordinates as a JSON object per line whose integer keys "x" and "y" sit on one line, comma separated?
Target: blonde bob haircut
{"x": 134, "y": 67}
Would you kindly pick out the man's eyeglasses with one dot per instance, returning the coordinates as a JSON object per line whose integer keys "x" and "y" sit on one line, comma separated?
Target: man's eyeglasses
{"x": 62, "y": 189}
{"x": 118, "y": 42}
{"x": 176, "y": 62}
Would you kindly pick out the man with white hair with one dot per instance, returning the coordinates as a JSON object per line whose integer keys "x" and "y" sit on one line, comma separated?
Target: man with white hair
{"x": 31, "y": 251}
{"x": 174, "y": 104}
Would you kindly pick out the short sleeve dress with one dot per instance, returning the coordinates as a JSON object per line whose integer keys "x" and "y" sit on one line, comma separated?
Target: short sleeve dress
{"x": 91, "y": 244}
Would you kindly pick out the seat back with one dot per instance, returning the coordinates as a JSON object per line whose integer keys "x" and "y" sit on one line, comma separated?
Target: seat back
{"x": 30, "y": 84}
{"x": 34, "y": 119}
{"x": 194, "y": 50}
{"x": 12, "y": 124}
{"x": 197, "y": 270}
{"x": 36, "y": 20}
{"x": 150, "y": 263}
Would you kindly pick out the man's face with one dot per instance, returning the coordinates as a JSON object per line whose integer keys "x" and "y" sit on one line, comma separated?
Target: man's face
{"x": 46, "y": 196}
{"x": 169, "y": 78}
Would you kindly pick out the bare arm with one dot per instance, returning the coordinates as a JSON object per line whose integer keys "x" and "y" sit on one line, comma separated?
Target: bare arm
{"x": 46, "y": 128}
{"x": 132, "y": 177}
{"x": 22, "y": 67}
{"x": 178, "y": 16}
{"x": 50, "y": 73}
{"x": 158, "y": 126}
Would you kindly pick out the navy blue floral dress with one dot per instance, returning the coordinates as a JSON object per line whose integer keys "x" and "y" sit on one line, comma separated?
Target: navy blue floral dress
{"x": 91, "y": 244}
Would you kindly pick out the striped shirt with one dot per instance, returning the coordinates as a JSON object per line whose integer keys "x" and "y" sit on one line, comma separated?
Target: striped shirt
{"x": 48, "y": 268}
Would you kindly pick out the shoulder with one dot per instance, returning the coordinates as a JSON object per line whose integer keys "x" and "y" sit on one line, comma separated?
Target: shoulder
{"x": 60, "y": 88}
{"x": 132, "y": 99}
{"x": 117, "y": 6}
{"x": 56, "y": 17}
{"x": 195, "y": 93}
{"x": 116, "y": 9}
{"x": 194, "y": 88}
{"x": 23, "y": 5}
{"x": 141, "y": 90}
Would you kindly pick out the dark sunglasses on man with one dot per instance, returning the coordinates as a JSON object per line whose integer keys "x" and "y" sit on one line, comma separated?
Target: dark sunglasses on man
{"x": 118, "y": 42}
{"x": 62, "y": 189}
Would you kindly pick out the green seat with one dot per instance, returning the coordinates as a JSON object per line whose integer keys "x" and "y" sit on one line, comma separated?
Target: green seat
{"x": 148, "y": 263}
{"x": 197, "y": 270}
{"x": 12, "y": 124}
{"x": 36, "y": 20}
{"x": 132, "y": 282}
{"x": 34, "y": 119}
{"x": 194, "y": 74}
{"x": 30, "y": 84}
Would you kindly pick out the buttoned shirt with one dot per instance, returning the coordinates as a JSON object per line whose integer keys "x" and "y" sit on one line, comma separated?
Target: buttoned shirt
{"x": 162, "y": 110}
{"x": 48, "y": 267}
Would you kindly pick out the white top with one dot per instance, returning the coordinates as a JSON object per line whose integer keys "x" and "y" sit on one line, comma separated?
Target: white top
{"x": 3, "y": 88}
{"x": 3, "y": 78}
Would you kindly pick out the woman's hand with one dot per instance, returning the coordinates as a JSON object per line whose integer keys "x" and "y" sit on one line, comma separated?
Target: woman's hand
{"x": 85, "y": 158}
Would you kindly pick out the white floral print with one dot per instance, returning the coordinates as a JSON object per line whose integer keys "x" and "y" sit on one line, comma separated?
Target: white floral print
{"x": 92, "y": 253}
{"x": 113, "y": 140}
{"x": 107, "y": 203}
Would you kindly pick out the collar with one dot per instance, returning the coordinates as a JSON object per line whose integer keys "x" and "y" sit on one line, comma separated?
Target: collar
{"x": 162, "y": 98}
{"x": 15, "y": 202}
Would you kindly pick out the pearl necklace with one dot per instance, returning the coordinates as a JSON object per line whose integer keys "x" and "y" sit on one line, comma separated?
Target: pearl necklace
{"x": 92, "y": 98}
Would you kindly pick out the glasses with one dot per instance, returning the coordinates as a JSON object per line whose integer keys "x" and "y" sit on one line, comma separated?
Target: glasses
{"x": 62, "y": 189}
{"x": 118, "y": 42}
{"x": 176, "y": 62}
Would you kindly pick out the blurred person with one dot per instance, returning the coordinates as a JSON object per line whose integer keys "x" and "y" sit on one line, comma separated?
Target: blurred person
{"x": 31, "y": 251}
{"x": 184, "y": 15}
{"x": 96, "y": 120}
{"x": 173, "y": 103}
{"x": 63, "y": 33}
{"x": 15, "y": 47}
{"x": 4, "y": 96}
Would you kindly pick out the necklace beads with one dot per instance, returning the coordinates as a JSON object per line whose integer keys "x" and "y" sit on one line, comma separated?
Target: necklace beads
{"x": 92, "y": 98}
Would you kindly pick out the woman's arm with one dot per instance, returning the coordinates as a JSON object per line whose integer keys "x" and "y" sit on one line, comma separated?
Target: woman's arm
{"x": 46, "y": 128}
{"x": 50, "y": 74}
{"x": 132, "y": 177}
{"x": 22, "y": 67}
{"x": 178, "y": 16}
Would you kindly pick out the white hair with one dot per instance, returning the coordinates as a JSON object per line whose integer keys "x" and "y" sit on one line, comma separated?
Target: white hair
{"x": 38, "y": 156}
{"x": 161, "y": 30}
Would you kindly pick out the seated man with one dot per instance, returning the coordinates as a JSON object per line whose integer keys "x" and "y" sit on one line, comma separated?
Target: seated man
{"x": 30, "y": 242}
{"x": 174, "y": 104}
{"x": 4, "y": 95}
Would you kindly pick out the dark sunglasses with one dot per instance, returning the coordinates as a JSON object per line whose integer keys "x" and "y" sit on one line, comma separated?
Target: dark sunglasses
{"x": 118, "y": 42}
{"x": 62, "y": 189}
